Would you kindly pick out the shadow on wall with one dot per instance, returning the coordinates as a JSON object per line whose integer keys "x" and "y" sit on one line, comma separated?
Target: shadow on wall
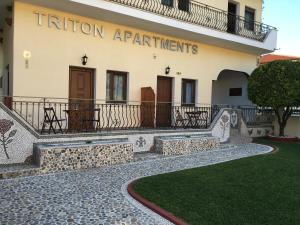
{"x": 231, "y": 88}
{"x": 292, "y": 128}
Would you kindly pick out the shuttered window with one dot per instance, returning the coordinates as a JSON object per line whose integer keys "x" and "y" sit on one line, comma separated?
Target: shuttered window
{"x": 116, "y": 87}
{"x": 249, "y": 18}
{"x": 188, "y": 92}
{"x": 184, "y": 5}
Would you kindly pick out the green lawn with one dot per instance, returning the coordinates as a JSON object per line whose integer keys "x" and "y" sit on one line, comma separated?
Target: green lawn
{"x": 253, "y": 191}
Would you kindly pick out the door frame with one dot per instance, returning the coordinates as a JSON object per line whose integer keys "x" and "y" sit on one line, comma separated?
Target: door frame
{"x": 93, "y": 80}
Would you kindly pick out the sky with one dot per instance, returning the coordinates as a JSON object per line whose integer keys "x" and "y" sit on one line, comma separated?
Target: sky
{"x": 285, "y": 16}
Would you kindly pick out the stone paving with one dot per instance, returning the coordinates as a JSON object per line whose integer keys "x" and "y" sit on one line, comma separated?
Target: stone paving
{"x": 98, "y": 196}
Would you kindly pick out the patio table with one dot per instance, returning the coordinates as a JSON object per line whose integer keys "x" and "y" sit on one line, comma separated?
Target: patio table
{"x": 74, "y": 120}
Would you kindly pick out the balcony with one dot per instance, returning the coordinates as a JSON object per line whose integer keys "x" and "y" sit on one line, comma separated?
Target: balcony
{"x": 203, "y": 15}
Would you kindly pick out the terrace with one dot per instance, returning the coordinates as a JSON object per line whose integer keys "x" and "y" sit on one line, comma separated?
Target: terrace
{"x": 68, "y": 116}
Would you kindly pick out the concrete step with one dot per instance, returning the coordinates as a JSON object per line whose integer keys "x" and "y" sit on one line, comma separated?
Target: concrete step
{"x": 237, "y": 138}
{"x": 18, "y": 170}
{"x": 144, "y": 156}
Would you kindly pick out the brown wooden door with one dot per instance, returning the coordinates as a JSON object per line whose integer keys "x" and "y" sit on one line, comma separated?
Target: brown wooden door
{"x": 164, "y": 101}
{"x": 81, "y": 93}
{"x": 147, "y": 107}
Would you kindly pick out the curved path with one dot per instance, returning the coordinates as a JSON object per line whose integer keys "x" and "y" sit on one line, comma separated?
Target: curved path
{"x": 98, "y": 196}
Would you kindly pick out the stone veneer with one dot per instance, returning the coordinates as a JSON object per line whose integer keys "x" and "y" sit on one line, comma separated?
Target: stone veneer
{"x": 53, "y": 158}
{"x": 20, "y": 147}
{"x": 181, "y": 145}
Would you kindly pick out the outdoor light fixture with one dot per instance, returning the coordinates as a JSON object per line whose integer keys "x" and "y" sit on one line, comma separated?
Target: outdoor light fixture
{"x": 167, "y": 71}
{"x": 27, "y": 56}
{"x": 84, "y": 60}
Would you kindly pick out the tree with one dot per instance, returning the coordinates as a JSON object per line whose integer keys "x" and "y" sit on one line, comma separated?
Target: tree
{"x": 277, "y": 85}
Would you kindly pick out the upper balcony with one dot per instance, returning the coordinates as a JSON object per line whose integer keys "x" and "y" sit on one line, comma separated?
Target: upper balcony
{"x": 180, "y": 18}
{"x": 203, "y": 15}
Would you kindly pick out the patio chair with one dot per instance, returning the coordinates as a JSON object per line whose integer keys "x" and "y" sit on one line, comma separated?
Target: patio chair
{"x": 51, "y": 119}
{"x": 180, "y": 121}
{"x": 90, "y": 118}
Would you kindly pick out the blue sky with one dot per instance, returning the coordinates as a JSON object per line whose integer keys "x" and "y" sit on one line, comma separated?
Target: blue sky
{"x": 285, "y": 16}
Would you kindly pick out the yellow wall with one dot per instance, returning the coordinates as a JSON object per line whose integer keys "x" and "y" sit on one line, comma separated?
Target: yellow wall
{"x": 53, "y": 51}
{"x": 292, "y": 127}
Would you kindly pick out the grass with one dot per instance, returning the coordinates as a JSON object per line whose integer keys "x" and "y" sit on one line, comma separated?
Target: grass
{"x": 260, "y": 190}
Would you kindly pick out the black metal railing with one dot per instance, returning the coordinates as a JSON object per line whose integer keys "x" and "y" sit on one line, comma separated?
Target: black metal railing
{"x": 73, "y": 115}
{"x": 203, "y": 15}
{"x": 76, "y": 116}
{"x": 254, "y": 115}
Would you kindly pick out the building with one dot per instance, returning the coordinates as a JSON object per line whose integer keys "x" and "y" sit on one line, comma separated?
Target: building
{"x": 43, "y": 42}
{"x": 272, "y": 57}
{"x": 144, "y": 63}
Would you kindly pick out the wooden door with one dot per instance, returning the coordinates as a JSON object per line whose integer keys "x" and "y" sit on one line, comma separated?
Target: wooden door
{"x": 147, "y": 107}
{"x": 231, "y": 24}
{"x": 164, "y": 101}
{"x": 81, "y": 93}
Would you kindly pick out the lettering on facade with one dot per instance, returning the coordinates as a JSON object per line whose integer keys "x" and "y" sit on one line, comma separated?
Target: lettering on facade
{"x": 69, "y": 24}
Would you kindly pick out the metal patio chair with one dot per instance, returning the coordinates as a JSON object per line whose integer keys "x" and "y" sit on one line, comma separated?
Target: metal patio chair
{"x": 91, "y": 117}
{"x": 51, "y": 119}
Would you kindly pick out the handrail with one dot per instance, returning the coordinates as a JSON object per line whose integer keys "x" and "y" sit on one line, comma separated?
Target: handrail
{"x": 203, "y": 15}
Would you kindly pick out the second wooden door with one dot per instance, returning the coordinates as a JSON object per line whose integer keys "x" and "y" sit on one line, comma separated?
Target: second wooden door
{"x": 164, "y": 101}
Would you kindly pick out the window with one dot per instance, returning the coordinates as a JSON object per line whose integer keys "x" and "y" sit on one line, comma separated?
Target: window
{"x": 116, "y": 86}
{"x": 232, "y": 17}
{"x": 184, "y": 5}
{"x": 249, "y": 18}
{"x": 188, "y": 92}
{"x": 167, "y": 2}
{"x": 235, "y": 92}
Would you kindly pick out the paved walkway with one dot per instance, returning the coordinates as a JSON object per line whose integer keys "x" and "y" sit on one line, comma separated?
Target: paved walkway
{"x": 98, "y": 196}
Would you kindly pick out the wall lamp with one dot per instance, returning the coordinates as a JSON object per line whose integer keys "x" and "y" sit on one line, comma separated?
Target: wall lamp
{"x": 167, "y": 70}
{"x": 84, "y": 60}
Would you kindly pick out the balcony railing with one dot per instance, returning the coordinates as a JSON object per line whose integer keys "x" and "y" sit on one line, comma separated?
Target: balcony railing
{"x": 93, "y": 115}
{"x": 203, "y": 15}
{"x": 58, "y": 115}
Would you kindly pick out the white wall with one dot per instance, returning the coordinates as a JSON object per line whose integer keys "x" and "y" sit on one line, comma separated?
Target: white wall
{"x": 292, "y": 128}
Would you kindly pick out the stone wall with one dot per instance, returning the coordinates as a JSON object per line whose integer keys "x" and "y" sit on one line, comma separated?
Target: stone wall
{"x": 61, "y": 158}
{"x": 256, "y": 131}
{"x": 16, "y": 138}
{"x": 184, "y": 145}
{"x": 20, "y": 137}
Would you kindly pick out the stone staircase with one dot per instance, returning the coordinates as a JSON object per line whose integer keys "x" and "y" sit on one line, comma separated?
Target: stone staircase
{"x": 236, "y": 138}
